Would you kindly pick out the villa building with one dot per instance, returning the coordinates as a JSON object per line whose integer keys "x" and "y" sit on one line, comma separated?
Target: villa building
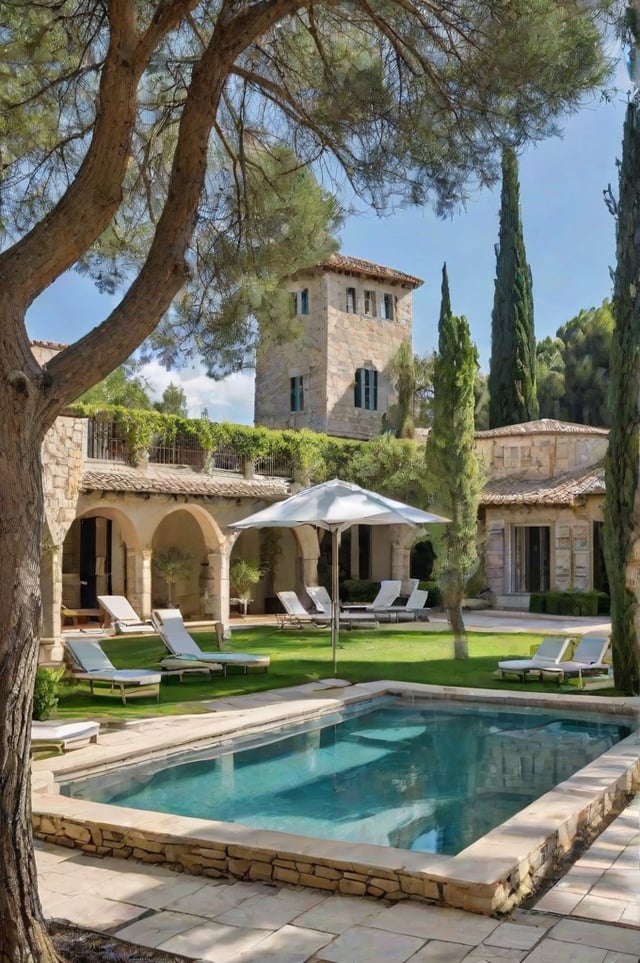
{"x": 541, "y": 509}
{"x": 540, "y": 515}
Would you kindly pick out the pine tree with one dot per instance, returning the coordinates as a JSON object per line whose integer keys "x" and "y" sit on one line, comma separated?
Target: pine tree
{"x": 512, "y": 374}
{"x": 453, "y": 469}
{"x": 622, "y": 456}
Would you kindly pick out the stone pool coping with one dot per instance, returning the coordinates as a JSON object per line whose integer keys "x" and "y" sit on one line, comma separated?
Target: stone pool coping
{"x": 492, "y": 875}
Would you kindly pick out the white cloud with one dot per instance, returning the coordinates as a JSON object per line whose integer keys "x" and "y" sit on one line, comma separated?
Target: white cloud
{"x": 228, "y": 400}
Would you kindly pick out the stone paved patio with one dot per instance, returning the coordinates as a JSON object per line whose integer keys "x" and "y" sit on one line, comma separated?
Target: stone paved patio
{"x": 592, "y": 915}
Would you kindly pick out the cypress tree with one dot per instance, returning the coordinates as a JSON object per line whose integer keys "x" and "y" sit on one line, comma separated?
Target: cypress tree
{"x": 512, "y": 373}
{"x": 453, "y": 470}
{"x": 621, "y": 466}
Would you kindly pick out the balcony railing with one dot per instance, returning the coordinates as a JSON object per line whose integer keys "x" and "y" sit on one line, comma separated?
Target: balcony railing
{"x": 106, "y": 443}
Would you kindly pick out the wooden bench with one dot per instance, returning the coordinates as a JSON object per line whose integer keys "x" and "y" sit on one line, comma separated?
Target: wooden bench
{"x": 76, "y": 615}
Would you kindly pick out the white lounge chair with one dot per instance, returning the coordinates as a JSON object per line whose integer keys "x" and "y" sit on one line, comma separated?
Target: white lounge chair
{"x": 588, "y": 659}
{"x": 548, "y": 653}
{"x": 124, "y": 617}
{"x": 413, "y": 611}
{"x": 387, "y": 594}
{"x": 57, "y": 736}
{"x": 296, "y": 614}
{"x": 89, "y": 662}
{"x": 322, "y": 602}
{"x": 170, "y": 627}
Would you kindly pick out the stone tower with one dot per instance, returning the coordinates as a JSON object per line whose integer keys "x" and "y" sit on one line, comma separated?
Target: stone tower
{"x": 336, "y": 376}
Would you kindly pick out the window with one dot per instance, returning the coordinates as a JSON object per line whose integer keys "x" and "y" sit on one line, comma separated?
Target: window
{"x": 296, "y": 393}
{"x": 352, "y": 301}
{"x": 370, "y": 303}
{"x": 388, "y": 307}
{"x": 531, "y": 558}
{"x": 300, "y": 301}
{"x": 365, "y": 393}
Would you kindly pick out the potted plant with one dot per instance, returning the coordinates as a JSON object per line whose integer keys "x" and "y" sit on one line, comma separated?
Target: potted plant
{"x": 171, "y": 564}
{"x": 243, "y": 575}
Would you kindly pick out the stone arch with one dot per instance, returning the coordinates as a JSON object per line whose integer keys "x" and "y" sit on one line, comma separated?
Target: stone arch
{"x": 193, "y": 532}
{"x": 294, "y": 566}
{"x": 104, "y": 553}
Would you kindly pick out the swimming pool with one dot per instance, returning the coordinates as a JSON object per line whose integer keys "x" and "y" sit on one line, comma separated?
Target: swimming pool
{"x": 430, "y": 778}
{"x": 492, "y": 874}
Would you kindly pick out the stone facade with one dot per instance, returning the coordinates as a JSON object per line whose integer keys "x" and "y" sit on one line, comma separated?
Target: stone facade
{"x": 353, "y": 316}
{"x": 541, "y": 510}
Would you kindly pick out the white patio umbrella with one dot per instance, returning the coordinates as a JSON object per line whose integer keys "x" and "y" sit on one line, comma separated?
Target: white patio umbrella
{"x": 335, "y": 506}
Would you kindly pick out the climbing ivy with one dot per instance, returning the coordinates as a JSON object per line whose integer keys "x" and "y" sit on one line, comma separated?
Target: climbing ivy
{"x": 312, "y": 456}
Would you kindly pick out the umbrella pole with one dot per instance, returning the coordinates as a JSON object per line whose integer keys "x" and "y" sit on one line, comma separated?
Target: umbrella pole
{"x": 335, "y": 608}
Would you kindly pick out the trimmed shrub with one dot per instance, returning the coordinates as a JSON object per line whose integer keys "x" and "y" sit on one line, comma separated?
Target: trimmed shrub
{"x": 45, "y": 694}
{"x": 358, "y": 590}
{"x": 435, "y": 594}
{"x": 537, "y": 602}
{"x": 569, "y": 603}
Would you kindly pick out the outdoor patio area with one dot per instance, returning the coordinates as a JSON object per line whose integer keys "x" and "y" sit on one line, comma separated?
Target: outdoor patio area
{"x": 590, "y": 915}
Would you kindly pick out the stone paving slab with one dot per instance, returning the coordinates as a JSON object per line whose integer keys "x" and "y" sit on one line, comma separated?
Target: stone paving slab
{"x": 363, "y": 944}
{"x": 213, "y": 941}
{"x": 435, "y": 923}
{"x": 289, "y": 944}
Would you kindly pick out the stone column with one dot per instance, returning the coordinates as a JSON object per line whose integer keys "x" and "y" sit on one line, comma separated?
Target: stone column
{"x": 402, "y": 538}
{"x": 218, "y": 580}
{"x": 309, "y": 567}
{"x": 51, "y": 649}
{"x": 139, "y": 580}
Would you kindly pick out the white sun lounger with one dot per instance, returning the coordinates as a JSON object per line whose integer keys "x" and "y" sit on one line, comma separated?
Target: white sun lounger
{"x": 170, "y": 627}
{"x": 411, "y": 612}
{"x": 548, "y": 654}
{"x": 89, "y": 663}
{"x": 124, "y": 617}
{"x": 588, "y": 659}
{"x": 296, "y": 614}
{"x": 60, "y": 736}
{"x": 387, "y": 594}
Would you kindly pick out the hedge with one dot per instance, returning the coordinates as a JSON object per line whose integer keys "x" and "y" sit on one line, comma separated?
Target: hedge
{"x": 569, "y": 603}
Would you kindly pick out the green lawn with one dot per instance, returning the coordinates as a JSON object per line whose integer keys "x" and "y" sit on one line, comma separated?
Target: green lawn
{"x": 304, "y": 656}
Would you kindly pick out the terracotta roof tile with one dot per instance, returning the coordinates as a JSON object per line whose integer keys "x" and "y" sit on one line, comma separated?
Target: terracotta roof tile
{"x": 564, "y": 489}
{"x": 357, "y": 265}
{"x": 541, "y": 427}
{"x": 122, "y": 478}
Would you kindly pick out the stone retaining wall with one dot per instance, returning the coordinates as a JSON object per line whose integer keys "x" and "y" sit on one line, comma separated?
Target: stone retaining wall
{"x": 450, "y": 881}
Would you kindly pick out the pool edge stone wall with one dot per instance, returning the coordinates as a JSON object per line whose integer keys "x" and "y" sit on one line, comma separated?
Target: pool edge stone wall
{"x": 217, "y": 859}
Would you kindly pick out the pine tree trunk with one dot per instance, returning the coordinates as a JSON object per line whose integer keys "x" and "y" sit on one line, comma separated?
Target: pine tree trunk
{"x": 23, "y": 935}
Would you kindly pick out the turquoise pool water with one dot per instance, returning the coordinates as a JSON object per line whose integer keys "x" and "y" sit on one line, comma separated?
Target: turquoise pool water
{"x": 433, "y": 777}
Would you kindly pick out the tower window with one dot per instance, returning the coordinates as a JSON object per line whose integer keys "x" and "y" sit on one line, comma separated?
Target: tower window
{"x": 365, "y": 394}
{"x": 352, "y": 301}
{"x": 296, "y": 393}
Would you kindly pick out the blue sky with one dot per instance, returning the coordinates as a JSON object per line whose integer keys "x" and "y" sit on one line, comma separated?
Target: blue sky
{"x": 569, "y": 238}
